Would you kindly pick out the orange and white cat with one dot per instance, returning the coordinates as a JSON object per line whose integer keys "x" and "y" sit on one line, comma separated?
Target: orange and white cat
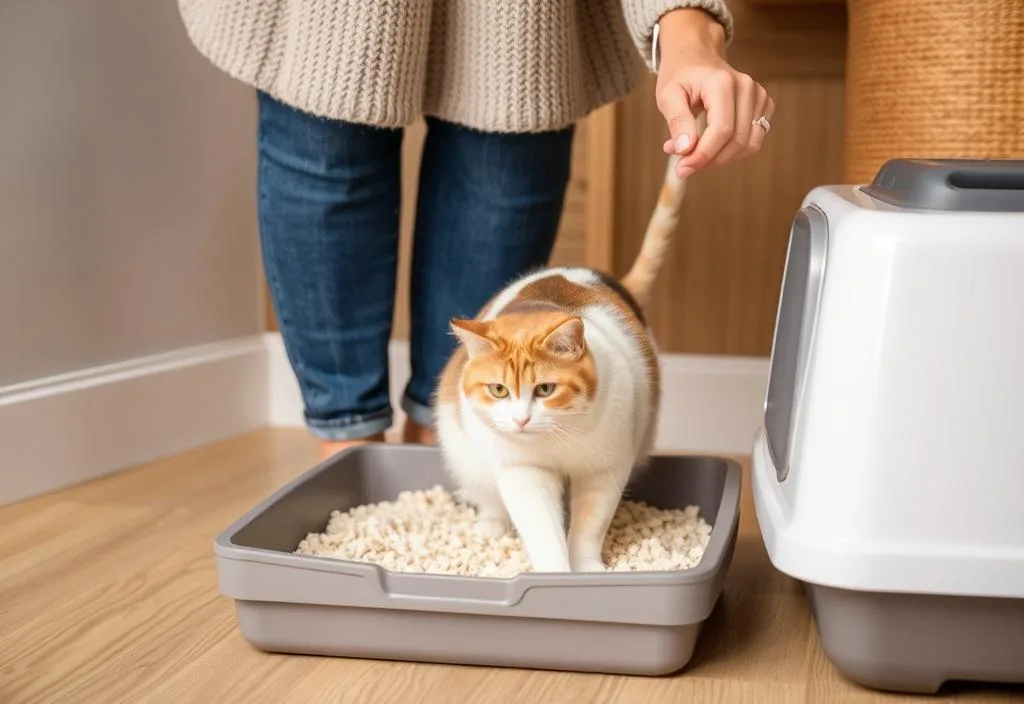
{"x": 556, "y": 381}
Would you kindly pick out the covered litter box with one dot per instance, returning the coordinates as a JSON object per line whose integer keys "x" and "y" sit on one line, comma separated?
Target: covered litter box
{"x": 644, "y": 623}
{"x": 889, "y": 474}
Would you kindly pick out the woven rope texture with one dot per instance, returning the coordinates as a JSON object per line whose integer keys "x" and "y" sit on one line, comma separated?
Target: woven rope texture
{"x": 933, "y": 78}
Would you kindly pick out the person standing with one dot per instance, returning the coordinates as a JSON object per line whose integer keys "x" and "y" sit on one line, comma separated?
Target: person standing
{"x": 500, "y": 86}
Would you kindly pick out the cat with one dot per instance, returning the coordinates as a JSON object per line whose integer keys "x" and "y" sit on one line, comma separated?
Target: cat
{"x": 555, "y": 381}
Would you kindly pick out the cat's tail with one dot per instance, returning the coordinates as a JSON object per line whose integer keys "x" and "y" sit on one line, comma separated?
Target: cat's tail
{"x": 658, "y": 237}
{"x": 660, "y": 231}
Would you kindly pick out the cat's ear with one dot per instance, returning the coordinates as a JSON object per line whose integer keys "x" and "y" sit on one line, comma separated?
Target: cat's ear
{"x": 473, "y": 336}
{"x": 566, "y": 339}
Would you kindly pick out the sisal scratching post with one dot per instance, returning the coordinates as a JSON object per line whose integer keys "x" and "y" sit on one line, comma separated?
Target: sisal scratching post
{"x": 933, "y": 78}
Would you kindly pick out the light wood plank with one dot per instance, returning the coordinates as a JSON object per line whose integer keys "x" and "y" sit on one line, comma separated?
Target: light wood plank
{"x": 599, "y": 225}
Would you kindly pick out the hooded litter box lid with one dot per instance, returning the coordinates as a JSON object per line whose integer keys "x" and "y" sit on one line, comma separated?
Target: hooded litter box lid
{"x": 951, "y": 184}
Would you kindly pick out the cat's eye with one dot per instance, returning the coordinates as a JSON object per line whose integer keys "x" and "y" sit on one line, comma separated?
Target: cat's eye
{"x": 543, "y": 390}
{"x": 497, "y": 390}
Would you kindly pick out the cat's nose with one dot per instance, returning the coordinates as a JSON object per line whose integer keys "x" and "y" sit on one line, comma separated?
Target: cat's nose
{"x": 521, "y": 422}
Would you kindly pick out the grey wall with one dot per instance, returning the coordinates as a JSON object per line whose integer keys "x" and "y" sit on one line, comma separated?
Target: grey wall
{"x": 127, "y": 215}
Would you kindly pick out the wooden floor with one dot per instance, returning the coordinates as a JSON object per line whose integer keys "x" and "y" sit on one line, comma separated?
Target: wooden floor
{"x": 108, "y": 594}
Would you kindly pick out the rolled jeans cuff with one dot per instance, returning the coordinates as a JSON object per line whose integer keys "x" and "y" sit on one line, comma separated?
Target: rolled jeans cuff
{"x": 353, "y": 427}
{"x": 418, "y": 412}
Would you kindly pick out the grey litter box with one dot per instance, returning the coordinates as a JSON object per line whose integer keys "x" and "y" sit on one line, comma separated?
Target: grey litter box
{"x": 640, "y": 623}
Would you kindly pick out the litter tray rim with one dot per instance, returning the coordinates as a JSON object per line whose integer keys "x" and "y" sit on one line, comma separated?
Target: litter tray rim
{"x": 717, "y": 551}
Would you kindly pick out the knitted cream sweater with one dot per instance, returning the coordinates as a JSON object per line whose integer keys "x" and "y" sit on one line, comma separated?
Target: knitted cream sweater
{"x": 495, "y": 65}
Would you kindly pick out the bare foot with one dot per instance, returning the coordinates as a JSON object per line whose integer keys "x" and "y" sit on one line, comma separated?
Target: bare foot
{"x": 329, "y": 448}
{"x": 413, "y": 432}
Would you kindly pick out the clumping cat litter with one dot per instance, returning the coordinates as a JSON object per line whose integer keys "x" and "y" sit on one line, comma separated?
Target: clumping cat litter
{"x": 429, "y": 531}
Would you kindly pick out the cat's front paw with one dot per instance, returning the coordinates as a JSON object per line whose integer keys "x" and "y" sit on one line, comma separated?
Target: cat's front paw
{"x": 550, "y": 564}
{"x": 491, "y": 527}
{"x": 589, "y": 565}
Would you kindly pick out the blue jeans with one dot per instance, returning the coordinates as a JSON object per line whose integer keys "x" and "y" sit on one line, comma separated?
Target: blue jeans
{"x": 488, "y": 210}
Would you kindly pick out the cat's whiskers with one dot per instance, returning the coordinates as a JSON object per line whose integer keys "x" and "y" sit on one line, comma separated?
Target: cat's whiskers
{"x": 606, "y": 458}
{"x": 599, "y": 457}
{"x": 562, "y": 438}
{"x": 583, "y": 437}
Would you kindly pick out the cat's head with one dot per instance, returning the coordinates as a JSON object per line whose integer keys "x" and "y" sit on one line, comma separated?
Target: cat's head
{"x": 527, "y": 372}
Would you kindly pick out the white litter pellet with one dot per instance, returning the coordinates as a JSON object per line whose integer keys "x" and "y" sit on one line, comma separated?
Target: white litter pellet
{"x": 428, "y": 531}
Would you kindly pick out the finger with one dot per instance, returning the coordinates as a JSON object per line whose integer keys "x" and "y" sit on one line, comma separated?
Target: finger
{"x": 758, "y": 133}
{"x": 667, "y": 147}
{"x": 719, "y": 105}
{"x": 675, "y": 108}
{"x": 746, "y": 104}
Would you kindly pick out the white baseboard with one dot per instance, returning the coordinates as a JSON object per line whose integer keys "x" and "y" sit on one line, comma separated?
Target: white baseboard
{"x": 710, "y": 403}
{"x": 67, "y": 429}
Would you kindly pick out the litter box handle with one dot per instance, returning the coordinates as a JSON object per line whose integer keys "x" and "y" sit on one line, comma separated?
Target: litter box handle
{"x": 985, "y": 185}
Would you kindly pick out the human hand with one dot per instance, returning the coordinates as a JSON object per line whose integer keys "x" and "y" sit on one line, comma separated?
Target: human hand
{"x": 692, "y": 74}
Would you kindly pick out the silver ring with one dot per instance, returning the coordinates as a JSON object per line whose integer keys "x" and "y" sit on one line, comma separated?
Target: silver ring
{"x": 763, "y": 123}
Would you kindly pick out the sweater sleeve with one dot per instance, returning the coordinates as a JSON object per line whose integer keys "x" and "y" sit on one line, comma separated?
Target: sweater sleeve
{"x": 642, "y": 15}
